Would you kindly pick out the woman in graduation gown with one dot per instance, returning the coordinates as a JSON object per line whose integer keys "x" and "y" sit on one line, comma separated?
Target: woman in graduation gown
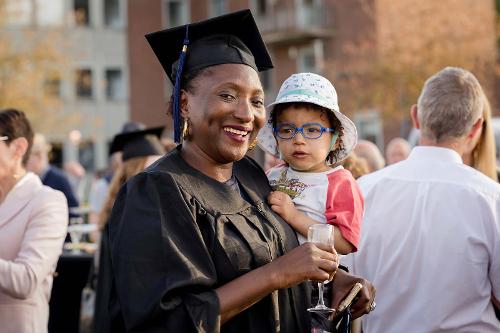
{"x": 194, "y": 246}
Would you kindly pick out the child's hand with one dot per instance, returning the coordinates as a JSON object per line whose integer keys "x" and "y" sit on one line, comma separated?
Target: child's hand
{"x": 282, "y": 204}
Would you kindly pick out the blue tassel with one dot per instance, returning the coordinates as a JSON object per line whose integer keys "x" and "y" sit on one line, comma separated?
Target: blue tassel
{"x": 177, "y": 90}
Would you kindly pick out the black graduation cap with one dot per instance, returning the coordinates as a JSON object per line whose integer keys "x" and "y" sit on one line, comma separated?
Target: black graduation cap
{"x": 228, "y": 39}
{"x": 138, "y": 143}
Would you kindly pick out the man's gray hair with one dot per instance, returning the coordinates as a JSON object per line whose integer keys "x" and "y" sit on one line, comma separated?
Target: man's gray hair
{"x": 450, "y": 103}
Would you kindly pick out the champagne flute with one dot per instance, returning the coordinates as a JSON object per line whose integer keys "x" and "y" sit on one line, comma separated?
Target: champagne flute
{"x": 321, "y": 234}
{"x": 75, "y": 233}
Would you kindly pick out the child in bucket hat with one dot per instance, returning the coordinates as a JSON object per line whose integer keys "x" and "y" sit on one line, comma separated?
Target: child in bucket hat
{"x": 307, "y": 130}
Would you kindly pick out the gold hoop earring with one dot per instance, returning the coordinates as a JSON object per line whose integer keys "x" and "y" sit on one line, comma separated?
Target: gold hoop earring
{"x": 253, "y": 144}
{"x": 185, "y": 129}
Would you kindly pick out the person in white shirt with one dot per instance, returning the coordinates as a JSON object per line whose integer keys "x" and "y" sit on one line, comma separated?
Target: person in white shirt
{"x": 430, "y": 240}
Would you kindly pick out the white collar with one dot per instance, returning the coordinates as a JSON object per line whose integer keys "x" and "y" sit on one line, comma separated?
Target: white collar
{"x": 433, "y": 153}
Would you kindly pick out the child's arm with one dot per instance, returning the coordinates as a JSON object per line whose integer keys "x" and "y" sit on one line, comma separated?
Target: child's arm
{"x": 282, "y": 204}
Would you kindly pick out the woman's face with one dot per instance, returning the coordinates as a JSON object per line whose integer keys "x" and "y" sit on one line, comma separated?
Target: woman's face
{"x": 226, "y": 111}
{"x": 8, "y": 159}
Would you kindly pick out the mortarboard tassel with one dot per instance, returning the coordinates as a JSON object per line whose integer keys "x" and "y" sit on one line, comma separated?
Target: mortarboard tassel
{"x": 176, "y": 114}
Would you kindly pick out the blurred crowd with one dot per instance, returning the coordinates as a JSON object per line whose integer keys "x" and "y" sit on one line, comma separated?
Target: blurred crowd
{"x": 176, "y": 233}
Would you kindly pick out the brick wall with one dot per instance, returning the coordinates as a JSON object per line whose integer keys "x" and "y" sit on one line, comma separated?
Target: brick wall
{"x": 147, "y": 83}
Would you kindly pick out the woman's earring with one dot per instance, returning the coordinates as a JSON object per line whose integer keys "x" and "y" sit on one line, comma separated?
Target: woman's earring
{"x": 185, "y": 129}
{"x": 252, "y": 145}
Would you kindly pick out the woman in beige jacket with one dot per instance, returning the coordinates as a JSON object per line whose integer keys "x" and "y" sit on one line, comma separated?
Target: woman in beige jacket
{"x": 33, "y": 221}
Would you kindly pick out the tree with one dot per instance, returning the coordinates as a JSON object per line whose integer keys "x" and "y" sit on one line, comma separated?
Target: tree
{"x": 32, "y": 62}
{"x": 413, "y": 40}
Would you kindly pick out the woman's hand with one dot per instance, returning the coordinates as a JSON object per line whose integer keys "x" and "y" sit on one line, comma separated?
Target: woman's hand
{"x": 307, "y": 262}
{"x": 342, "y": 284}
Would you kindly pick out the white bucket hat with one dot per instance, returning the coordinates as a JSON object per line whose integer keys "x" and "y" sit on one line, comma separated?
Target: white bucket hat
{"x": 315, "y": 89}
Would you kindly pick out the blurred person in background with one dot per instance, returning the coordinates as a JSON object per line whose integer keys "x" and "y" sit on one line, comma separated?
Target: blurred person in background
{"x": 397, "y": 150}
{"x": 357, "y": 166}
{"x": 99, "y": 189}
{"x": 76, "y": 175}
{"x": 38, "y": 163}
{"x": 33, "y": 221}
{"x": 139, "y": 150}
{"x": 370, "y": 152}
{"x": 431, "y": 230}
{"x": 481, "y": 153}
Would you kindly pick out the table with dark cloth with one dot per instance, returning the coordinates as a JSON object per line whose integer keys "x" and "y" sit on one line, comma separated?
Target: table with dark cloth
{"x": 72, "y": 275}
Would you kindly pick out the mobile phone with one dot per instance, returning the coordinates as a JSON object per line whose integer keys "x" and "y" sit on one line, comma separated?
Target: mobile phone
{"x": 347, "y": 301}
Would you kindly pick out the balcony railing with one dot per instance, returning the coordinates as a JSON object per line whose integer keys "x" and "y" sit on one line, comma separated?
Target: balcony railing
{"x": 297, "y": 17}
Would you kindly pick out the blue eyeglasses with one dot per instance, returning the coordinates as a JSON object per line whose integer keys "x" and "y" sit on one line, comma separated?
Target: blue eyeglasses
{"x": 288, "y": 131}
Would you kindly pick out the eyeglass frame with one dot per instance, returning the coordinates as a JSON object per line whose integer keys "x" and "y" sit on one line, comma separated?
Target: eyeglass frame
{"x": 301, "y": 130}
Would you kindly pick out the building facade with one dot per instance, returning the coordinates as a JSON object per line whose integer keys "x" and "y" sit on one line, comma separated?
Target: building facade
{"x": 365, "y": 47}
{"x": 92, "y": 84}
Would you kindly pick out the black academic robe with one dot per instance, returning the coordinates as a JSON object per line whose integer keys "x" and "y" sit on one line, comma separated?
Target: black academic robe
{"x": 175, "y": 235}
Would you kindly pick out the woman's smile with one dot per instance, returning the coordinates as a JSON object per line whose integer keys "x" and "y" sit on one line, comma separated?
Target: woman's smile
{"x": 237, "y": 133}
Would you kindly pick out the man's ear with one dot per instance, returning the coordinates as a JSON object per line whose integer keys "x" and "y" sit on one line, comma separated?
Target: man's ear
{"x": 184, "y": 104}
{"x": 414, "y": 116}
{"x": 476, "y": 129}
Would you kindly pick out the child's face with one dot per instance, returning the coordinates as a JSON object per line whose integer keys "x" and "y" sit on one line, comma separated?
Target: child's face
{"x": 302, "y": 154}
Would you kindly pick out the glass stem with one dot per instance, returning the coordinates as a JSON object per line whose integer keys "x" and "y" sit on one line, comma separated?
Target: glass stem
{"x": 321, "y": 302}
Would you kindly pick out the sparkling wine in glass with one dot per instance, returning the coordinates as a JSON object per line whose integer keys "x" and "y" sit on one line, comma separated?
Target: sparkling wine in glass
{"x": 321, "y": 234}
{"x": 75, "y": 233}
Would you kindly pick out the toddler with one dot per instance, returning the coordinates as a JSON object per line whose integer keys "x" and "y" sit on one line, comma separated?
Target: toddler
{"x": 307, "y": 131}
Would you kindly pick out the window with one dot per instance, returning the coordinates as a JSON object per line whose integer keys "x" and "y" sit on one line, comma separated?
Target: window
{"x": 114, "y": 84}
{"x": 261, "y": 7}
{"x": 84, "y": 83}
{"x": 112, "y": 16}
{"x": 52, "y": 84}
{"x": 56, "y": 153}
{"x": 176, "y": 13}
{"x": 369, "y": 126}
{"x": 50, "y": 13}
{"x": 34, "y": 12}
{"x": 217, "y": 7}
{"x": 265, "y": 78}
{"x": 81, "y": 12}
{"x": 18, "y": 12}
{"x": 306, "y": 61}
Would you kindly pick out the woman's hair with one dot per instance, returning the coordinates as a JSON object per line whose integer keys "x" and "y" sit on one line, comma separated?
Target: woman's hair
{"x": 332, "y": 157}
{"x": 188, "y": 79}
{"x": 484, "y": 154}
{"x": 13, "y": 125}
{"x": 128, "y": 169}
{"x": 450, "y": 103}
{"x": 188, "y": 83}
{"x": 356, "y": 165}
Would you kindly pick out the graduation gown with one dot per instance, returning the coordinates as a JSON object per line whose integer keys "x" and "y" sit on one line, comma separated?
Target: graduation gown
{"x": 175, "y": 235}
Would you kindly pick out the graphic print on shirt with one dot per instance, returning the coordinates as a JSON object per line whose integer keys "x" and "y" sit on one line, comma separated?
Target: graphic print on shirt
{"x": 293, "y": 187}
